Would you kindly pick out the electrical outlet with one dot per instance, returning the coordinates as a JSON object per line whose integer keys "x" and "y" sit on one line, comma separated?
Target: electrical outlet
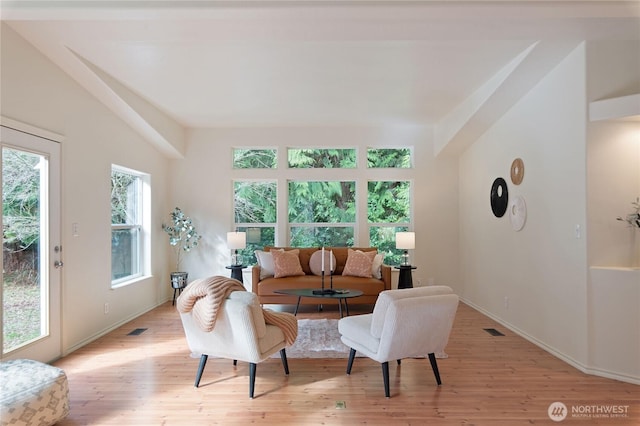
{"x": 506, "y": 302}
{"x": 106, "y": 308}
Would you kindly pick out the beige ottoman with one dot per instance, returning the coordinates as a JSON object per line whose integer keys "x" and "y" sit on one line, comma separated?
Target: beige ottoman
{"x": 32, "y": 393}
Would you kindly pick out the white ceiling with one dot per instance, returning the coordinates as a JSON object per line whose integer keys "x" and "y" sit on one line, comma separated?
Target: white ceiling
{"x": 211, "y": 64}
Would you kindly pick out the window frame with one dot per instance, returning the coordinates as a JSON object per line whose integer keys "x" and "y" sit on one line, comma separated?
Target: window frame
{"x": 140, "y": 226}
{"x": 361, "y": 175}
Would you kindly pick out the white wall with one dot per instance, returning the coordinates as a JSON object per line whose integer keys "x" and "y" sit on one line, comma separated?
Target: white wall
{"x": 613, "y": 181}
{"x": 36, "y": 92}
{"x": 202, "y": 185}
{"x": 542, "y": 270}
{"x": 613, "y": 156}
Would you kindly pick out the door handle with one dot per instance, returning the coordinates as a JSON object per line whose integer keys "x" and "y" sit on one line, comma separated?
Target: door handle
{"x": 58, "y": 264}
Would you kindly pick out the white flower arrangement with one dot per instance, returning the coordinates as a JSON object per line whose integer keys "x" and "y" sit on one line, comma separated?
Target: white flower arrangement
{"x": 182, "y": 234}
{"x": 633, "y": 218}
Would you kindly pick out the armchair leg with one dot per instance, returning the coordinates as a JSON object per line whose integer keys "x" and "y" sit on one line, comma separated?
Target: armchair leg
{"x": 352, "y": 355}
{"x": 434, "y": 367}
{"x": 385, "y": 378}
{"x": 252, "y": 378}
{"x": 203, "y": 362}
{"x": 285, "y": 364}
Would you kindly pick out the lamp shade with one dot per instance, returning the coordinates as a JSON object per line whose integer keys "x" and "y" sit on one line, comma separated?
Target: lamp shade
{"x": 236, "y": 240}
{"x": 405, "y": 240}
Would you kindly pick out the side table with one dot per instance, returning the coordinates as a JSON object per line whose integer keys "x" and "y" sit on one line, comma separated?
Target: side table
{"x": 404, "y": 278}
{"x": 236, "y": 271}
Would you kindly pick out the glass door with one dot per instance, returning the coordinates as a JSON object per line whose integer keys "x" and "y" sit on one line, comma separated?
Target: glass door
{"x": 31, "y": 251}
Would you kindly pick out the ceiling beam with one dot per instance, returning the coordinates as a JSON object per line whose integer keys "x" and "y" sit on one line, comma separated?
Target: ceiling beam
{"x": 466, "y": 123}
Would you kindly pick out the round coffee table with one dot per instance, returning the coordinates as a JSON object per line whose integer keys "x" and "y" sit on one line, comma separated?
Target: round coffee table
{"x": 340, "y": 294}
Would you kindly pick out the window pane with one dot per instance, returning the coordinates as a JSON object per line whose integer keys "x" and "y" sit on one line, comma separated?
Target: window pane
{"x": 322, "y": 158}
{"x": 317, "y": 236}
{"x": 254, "y": 159}
{"x": 124, "y": 253}
{"x": 322, "y": 202}
{"x": 255, "y": 202}
{"x": 384, "y": 238}
{"x": 389, "y": 202}
{"x": 124, "y": 198}
{"x": 257, "y": 238}
{"x": 24, "y": 292}
{"x": 126, "y": 225}
{"x": 389, "y": 158}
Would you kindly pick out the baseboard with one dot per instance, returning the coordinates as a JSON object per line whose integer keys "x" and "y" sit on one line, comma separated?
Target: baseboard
{"x": 569, "y": 360}
{"x": 108, "y": 330}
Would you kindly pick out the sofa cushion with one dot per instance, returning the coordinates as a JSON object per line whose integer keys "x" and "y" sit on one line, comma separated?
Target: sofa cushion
{"x": 286, "y": 263}
{"x": 359, "y": 263}
{"x": 265, "y": 260}
{"x": 315, "y": 263}
{"x": 376, "y": 265}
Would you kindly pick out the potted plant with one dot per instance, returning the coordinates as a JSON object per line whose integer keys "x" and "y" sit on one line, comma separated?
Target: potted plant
{"x": 183, "y": 237}
{"x": 633, "y": 218}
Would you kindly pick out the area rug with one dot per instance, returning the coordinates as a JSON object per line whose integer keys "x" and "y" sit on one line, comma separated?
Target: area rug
{"x": 317, "y": 338}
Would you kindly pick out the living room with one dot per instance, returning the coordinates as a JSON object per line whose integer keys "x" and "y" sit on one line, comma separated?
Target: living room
{"x": 568, "y": 281}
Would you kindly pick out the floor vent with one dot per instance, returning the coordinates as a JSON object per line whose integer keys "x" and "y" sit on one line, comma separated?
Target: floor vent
{"x": 137, "y": 332}
{"x": 493, "y": 332}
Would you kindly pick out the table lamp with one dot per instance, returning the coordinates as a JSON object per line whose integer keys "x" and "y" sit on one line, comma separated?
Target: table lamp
{"x": 236, "y": 241}
{"x": 405, "y": 241}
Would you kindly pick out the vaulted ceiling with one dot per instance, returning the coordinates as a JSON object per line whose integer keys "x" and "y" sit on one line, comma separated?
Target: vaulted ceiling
{"x": 167, "y": 66}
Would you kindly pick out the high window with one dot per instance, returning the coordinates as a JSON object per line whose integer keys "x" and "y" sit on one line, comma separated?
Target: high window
{"x": 128, "y": 189}
{"x": 321, "y": 158}
{"x": 378, "y": 158}
{"x": 254, "y": 158}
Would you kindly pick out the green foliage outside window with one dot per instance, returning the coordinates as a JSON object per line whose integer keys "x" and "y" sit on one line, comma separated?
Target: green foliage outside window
{"x": 123, "y": 197}
{"x": 322, "y": 202}
{"x": 20, "y": 200}
{"x": 389, "y": 202}
{"x": 389, "y": 158}
{"x": 322, "y": 158}
{"x": 255, "y": 201}
{"x": 254, "y": 158}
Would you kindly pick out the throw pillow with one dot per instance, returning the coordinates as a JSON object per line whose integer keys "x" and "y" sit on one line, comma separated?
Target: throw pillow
{"x": 375, "y": 266}
{"x": 315, "y": 263}
{"x": 265, "y": 260}
{"x": 286, "y": 263}
{"x": 359, "y": 263}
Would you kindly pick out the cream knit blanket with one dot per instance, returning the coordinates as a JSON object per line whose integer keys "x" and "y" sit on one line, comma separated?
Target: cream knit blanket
{"x": 204, "y": 297}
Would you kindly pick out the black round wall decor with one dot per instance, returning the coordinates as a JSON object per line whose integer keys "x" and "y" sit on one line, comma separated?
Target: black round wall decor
{"x": 499, "y": 197}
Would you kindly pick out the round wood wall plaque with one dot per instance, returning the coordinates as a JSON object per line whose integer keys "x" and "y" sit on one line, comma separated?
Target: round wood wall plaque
{"x": 517, "y": 171}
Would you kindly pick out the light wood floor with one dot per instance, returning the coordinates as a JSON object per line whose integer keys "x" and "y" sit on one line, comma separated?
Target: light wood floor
{"x": 148, "y": 380}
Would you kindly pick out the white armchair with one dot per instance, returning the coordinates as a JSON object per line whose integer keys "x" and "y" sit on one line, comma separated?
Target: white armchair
{"x": 240, "y": 333}
{"x": 405, "y": 323}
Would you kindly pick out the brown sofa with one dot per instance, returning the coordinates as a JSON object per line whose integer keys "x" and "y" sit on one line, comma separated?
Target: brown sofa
{"x": 371, "y": 287}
